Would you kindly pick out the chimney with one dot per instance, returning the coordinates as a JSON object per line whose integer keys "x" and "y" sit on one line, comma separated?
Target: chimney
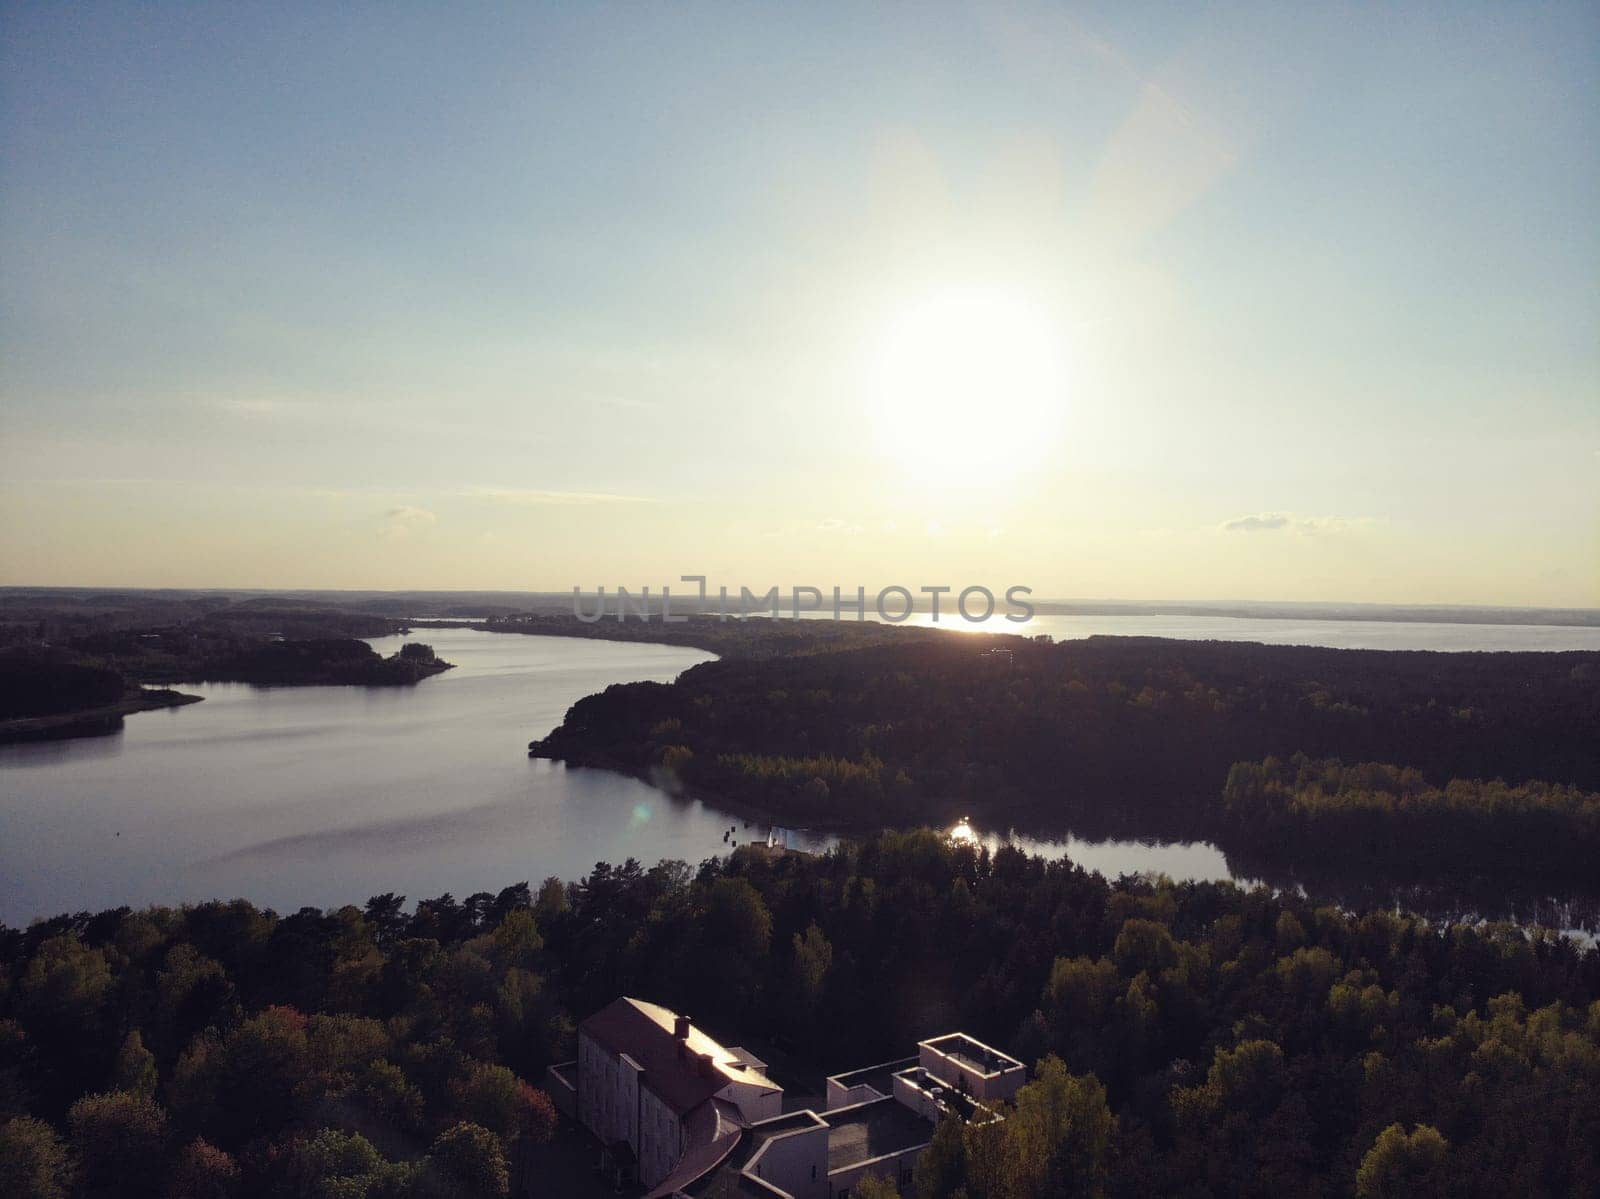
{"x": 680, "y": 1028}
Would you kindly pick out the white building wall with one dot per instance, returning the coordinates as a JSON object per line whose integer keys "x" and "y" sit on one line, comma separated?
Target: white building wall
{"x": 608, "y": 1093}
{"x": 660, "y": 1138}
{"x": 1004, "y": 1087}
{"x": 796, "y": 1163}
{"x": 754, "y": 1102}
{"x": 559, "y": 1085}
{"x": 843, "y": 1096}
{"x": 990, "y": 1088}
{"x": 917, "y": 1100}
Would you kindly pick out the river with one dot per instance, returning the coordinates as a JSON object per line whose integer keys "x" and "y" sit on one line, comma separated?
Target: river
{"x": 328, "y": 795}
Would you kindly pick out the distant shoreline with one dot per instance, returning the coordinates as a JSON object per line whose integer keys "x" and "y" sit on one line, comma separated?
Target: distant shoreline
{"x": 1386, "y": 613}
{"x": 467, "y": 605}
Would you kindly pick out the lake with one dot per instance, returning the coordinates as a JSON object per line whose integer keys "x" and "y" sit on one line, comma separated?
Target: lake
{"x": 328, "y": 795}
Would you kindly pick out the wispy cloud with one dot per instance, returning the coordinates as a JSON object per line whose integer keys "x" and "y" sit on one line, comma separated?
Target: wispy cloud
{"x": 1256, "y": 524}
{"x": 536, "y": 496}
{"x": 401, "y": 522}
{"x": 1275, "y": 522}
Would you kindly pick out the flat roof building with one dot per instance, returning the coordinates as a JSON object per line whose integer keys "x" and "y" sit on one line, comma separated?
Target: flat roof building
{"x": 686, "y": 1117}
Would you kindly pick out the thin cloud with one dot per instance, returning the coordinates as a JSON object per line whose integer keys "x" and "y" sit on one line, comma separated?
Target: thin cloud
{"x": 401, "y": 522}
{"x": 536, "y": 496}
{"x": 1276, "y": 522}
{"x": 834, "y": 524}
{"x": 1256, "y": 524}
{"x": 406, "y": 514}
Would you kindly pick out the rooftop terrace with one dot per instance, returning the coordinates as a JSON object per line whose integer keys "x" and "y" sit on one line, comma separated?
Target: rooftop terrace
{"x": 873, "y": 1129}
{"x": 973, "y": 1054}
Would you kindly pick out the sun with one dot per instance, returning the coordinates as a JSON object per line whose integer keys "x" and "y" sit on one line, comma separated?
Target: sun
{"x": 968, "y": 386}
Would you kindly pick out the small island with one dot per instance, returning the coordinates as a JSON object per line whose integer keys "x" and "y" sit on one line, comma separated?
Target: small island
{"x": 330, "y": 661}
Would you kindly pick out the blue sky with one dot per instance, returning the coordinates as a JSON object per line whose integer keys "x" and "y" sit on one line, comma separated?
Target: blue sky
{"x": 391, "y": 296}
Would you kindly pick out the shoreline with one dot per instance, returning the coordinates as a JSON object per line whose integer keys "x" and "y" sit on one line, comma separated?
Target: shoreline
{"x": 91, "y": 722}
{"x": 703, "y": 637}
{"x": 741, "y": 809}
{"x": 429, "y": 671}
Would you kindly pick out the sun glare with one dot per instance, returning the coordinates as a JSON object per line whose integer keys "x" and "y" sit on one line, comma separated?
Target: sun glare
{"x": 969, "y": 385}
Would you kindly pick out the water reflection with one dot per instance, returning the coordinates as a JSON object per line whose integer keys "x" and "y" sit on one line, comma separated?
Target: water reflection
{"x": 1181, "y": 861}
{"x": 1443, "y": 900}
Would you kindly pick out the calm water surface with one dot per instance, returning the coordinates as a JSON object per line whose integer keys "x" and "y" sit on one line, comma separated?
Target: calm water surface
{"x": 327, "y": 795}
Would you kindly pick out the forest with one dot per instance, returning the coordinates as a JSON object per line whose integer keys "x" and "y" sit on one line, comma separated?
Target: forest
{"x": 99, "y": 669}
{"x": 210, "y": 655}
{"x": 66, "y": 652}
{"x": 58, "y": 616}
{"x": 764, "y": 637}
{"x": 1116, "y": 736}
{"x": 1373, "y": 812}
{"x": 1189, "y": 1039}
{"x": 48, "y": 693}
{"x": 44, "y": 684}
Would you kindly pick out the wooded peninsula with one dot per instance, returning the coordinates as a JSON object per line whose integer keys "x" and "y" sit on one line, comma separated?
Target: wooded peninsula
{"x": 1467, "y": 763}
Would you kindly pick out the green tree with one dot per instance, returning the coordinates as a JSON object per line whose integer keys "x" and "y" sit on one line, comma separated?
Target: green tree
{"x": 203, "y": 1171}
{"x": 942, "y": 1168}
{"x": 265, "y": 1063}
{"x": 1058, "y": 1140}
{"x": 387, "y": 1092}
{"x": 333, "y": 1165}
{"x": 737, "y": 920}
{"x": 120, "y": 1142}
{"x": 471, "y": 1156}
{"x": 552, "y": 900}
{"x": 1399, "y": 1166}
{"x": 136, "y": 1067}
{"x": 60, "y": 995}
{"x": 735, "y": 935}
{"x": 496, "y": 1098}
{"x": 874, "y": 1186}
{"x": 1249, "y": 1077}
{"x": 813, "y": 958}
{"x": 1291, "y": 934}
{"x": 342, "y": 1043}
{"x": 517, "y": 939}
{"x": 1143, "y": 945}
{"x": 33, "y": 1161}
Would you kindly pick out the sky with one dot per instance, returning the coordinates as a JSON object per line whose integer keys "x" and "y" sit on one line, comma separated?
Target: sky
{"x": 1273, "y": 302}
